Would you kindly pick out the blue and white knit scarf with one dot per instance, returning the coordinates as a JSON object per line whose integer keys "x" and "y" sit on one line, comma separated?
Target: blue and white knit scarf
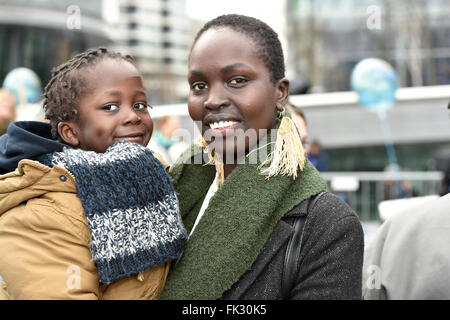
{"x": 130, "y": 205}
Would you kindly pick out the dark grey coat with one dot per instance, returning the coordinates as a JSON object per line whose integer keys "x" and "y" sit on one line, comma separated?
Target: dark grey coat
{"x": 330, "y": 261}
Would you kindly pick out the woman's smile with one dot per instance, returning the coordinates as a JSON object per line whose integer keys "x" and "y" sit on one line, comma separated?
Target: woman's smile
{"x": 221, "y": 124}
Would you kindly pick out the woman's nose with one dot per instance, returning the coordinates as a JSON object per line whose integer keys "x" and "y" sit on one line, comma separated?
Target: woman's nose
{"x": 216, "y": 97}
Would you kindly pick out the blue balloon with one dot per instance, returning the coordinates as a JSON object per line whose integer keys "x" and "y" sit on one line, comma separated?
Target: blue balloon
{"x": 375, "y": 82}
{"x": 24, "y": 84}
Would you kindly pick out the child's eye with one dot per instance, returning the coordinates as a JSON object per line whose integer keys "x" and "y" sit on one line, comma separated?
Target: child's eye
{"x": 199, "y": 86}
{"x": 237, "y": 82}
{"x": 110, "y": 107}
{"x": 140, "y": 106}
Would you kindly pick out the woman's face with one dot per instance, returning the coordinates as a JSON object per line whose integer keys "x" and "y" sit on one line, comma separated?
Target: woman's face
{"x": 231, "y": 92}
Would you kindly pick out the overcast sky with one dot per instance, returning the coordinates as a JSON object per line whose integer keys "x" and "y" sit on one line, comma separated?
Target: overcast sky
{"x": 269, "y": 11}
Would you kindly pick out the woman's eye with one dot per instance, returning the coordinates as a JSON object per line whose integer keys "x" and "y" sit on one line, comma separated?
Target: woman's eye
{"x": 140, "y": 105}
{"x": 110, "y": 107}
{"x": 198, "y": 86}
{"x": 237, "y": 82}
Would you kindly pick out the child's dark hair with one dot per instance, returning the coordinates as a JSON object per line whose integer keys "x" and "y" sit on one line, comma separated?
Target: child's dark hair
{"x": 263, "y": 36}
{"x": 67, "y": 85}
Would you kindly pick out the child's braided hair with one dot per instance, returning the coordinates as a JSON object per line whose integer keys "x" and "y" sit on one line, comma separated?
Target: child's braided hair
{"x": 67, "y": 85}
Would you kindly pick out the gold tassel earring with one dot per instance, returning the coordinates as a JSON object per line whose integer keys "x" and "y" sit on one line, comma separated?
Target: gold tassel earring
{"x": 213, "y": 159}
{"x": 288, "y": 154}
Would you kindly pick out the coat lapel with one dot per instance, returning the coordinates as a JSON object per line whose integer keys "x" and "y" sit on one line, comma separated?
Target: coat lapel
{"x": 234, "y": 228}
{"x": 279, "y": 237}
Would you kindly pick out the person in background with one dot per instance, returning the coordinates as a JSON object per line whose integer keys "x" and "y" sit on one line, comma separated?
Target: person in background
{"x": 300, "y": 121}
{"x": 408, "y": 257}
{"x": 394, "y": 189}
{"x": 317, "y": 156}
{"x": 163, "y": 140}
{"x": 7, "y": 110}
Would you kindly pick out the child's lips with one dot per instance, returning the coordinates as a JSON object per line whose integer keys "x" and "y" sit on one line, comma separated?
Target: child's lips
{"x": 137, "y": 138}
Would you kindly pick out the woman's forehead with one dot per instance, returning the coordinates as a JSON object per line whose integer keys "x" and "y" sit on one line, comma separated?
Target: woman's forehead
{"x": 224, "y": 44}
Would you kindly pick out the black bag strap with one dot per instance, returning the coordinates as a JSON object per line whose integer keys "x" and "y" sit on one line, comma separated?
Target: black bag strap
{"x": 292, "y": 251}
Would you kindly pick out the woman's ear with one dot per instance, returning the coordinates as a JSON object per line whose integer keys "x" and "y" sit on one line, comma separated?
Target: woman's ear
{"x": 68, "y": 131}
{"x": 282, "y": 92}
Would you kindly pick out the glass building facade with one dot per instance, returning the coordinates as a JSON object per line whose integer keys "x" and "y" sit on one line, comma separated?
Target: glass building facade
{"x": 328, "y": 38}
{"x": 37, "y": 34}
{"x": 155, "y": 33}
{"x": 41, "y": 34}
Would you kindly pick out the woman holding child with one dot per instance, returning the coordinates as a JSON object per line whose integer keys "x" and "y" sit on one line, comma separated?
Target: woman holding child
{"x": 239, "y": 210}
{"x": 241, "y": 192}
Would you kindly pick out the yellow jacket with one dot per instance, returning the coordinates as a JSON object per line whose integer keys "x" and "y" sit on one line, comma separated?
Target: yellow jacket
{"x": 44, "y": 242}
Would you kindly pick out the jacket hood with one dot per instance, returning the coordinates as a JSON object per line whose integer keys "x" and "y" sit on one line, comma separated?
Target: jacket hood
{"x": 26, "y": 140}
{"x": 30, "y": 180}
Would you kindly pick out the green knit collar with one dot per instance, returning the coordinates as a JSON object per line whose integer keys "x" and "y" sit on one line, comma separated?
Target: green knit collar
{"x": 236, "y": 225}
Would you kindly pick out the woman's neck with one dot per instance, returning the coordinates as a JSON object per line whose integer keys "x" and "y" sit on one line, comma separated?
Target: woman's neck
{"x": 227, "y": 168}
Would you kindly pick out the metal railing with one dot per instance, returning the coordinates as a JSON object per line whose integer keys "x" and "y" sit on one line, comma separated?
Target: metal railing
{"x": 363, "y": 191}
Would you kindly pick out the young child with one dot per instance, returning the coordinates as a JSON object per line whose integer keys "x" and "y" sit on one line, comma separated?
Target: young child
{"x": 93, "y": 214}
{"x": 241, "y": 215}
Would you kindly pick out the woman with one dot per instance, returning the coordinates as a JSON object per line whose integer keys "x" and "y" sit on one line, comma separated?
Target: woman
{"x": 239, "y": 212}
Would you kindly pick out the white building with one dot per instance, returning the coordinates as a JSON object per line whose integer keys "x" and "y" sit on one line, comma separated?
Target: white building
{"x": 155, "y": 33}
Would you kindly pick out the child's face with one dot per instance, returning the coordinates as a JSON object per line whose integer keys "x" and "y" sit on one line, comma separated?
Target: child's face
{"x": 230, "y": 82}
{"x": 114, "y": 108}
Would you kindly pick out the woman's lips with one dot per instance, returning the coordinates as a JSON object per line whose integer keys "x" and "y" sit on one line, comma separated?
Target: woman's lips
{"x": 222, "y": 127}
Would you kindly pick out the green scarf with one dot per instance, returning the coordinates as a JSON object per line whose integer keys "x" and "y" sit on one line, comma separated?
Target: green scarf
{"x": 236, "y": 225}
